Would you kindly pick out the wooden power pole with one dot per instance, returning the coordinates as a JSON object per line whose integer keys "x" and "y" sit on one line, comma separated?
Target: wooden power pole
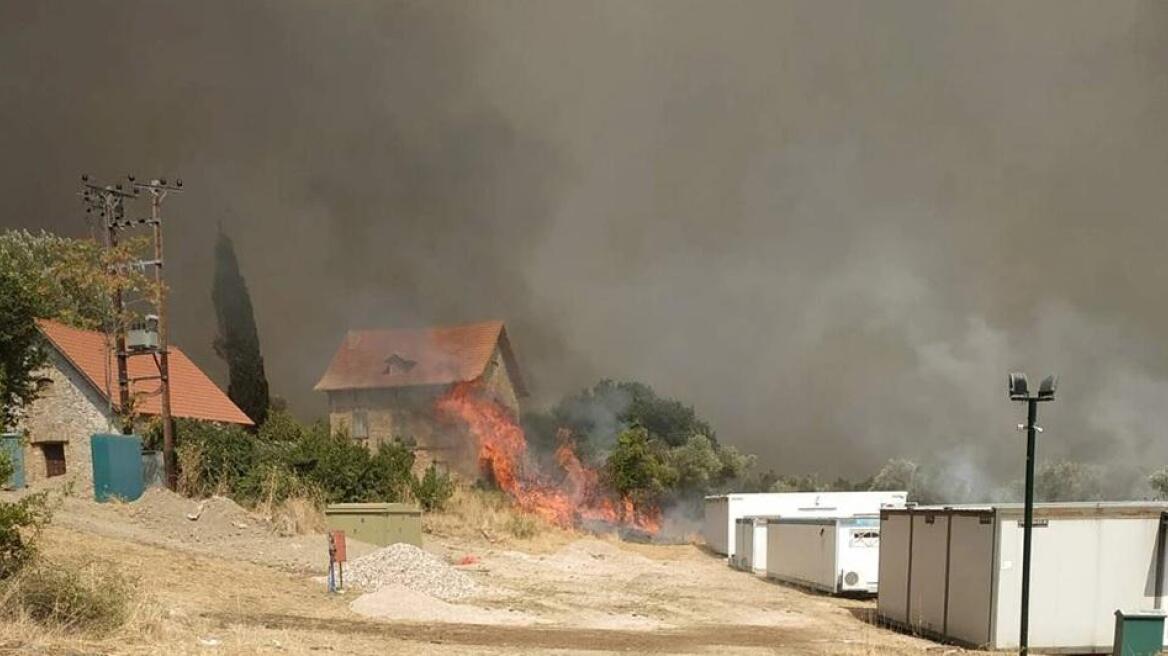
{"x": 113, "y": 213}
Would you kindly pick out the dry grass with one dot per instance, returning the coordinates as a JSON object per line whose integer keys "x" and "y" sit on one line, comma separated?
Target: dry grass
{"x": 54, "y": 601}
{"x": 486, "y": 514}
{"x": 300, "y": 515}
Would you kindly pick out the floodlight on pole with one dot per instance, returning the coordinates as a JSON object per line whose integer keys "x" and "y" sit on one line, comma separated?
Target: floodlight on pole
{"x": 1019, "y": 390}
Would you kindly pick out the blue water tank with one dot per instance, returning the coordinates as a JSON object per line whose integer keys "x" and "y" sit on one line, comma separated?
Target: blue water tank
{"x": 13, "y": 446}
{"x": 117, "y": 467}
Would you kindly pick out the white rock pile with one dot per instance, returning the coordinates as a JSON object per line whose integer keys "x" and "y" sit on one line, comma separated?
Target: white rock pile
{"x": 408, "y": 566}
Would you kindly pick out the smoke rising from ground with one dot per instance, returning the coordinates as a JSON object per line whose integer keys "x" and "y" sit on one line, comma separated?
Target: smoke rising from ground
{"x": 834, "y": 227}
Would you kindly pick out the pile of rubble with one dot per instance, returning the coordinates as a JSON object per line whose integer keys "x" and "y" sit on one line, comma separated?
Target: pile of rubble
{"x": 410, "y": 567}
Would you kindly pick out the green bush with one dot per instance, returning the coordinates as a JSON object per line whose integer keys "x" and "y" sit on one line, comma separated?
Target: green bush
{"x": 434, "y": 489}
{"x": 290, "y": 459}
{"x": 19, "y": 522}
{"x": 214, "y": 458}
{"x": 93, "y": 598}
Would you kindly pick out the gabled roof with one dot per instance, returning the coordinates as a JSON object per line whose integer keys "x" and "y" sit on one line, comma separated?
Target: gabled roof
{"x": 377, "y": 359}
{"x": 192, "y": 394}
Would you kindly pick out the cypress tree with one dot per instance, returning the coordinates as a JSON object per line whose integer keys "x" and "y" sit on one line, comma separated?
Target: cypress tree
{"x": 238, "y": 343}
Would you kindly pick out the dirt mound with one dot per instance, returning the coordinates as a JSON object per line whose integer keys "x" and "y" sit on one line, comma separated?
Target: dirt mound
{"x": 206, "y": 520}
{"x": 409, "y": 566}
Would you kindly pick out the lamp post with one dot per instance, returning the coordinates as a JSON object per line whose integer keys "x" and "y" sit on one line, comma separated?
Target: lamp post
{"x": 1020, "y": 391}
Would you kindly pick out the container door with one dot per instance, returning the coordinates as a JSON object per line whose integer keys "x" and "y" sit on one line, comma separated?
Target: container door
{"x": 930, "y": 546}
{"x": 894, "y": 567}
{"x": 971, "y": 578}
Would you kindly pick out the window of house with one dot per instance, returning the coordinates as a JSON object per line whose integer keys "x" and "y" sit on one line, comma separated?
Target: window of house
{"x": 44, "y": 386}
{"x": 54, "y": 453}
{"x": 396, "y": 364}
{"x": 360, "y": 427}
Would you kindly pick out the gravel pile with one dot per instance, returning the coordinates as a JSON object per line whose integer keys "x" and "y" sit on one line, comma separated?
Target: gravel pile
{"x": 408, "y": 566}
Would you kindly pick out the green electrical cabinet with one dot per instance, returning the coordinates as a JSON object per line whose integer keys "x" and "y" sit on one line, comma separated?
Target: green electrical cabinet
{"x": 12, "y": 445}
{"x": 1139, "y": 633}
{"x": 382, "y": 524}
{"x": 117, "y": 467}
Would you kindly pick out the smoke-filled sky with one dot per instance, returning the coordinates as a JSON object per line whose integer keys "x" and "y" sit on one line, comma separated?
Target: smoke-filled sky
{"x": 832, "y": 227}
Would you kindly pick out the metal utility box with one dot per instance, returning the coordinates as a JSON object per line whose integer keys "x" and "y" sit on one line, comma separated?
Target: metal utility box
{"x": 1138, "y": 634}
{"x": 117, "y": 467}
{"x": 837, "y": 556}
{"x": 722, "y": 511}
{"x": 13, "y": 446}
{"x": 382, "y": 524}
{"x": 954, "y": 573}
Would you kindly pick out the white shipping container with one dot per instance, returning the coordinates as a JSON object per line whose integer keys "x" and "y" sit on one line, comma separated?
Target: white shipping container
{"x": 955, "y": 573}
{"x": 721, "y": 511}
{"x": 837, "y": 556}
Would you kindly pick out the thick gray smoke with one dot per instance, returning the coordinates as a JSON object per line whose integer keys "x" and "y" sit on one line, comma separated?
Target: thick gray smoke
{"x": 834, "y": 227}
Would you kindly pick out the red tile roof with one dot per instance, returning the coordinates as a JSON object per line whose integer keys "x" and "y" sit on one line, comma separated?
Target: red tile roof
{"x": 424, "y": 356}
{"x": 192, "y": 394}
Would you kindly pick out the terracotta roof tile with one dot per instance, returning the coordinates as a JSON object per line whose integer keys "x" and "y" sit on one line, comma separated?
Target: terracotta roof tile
{"x": 370, "y": 359}
{"x": 192, "y": 394}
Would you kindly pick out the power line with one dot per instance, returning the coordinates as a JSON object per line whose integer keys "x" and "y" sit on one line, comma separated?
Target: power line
{"x": 110, "y": 203}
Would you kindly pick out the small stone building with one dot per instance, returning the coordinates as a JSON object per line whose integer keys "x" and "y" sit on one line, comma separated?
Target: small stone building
{"x": 382, "y": 385}
{"x": 74, "y": 400}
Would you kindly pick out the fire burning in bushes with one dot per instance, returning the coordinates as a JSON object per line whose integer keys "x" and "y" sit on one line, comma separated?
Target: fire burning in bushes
{"x": 573, "y": 496}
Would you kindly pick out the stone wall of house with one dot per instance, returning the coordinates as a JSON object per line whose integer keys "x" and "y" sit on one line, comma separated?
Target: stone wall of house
{"x": 407, "y": 415}
{"x": 498, "y": 385}
{"x": 67, "y": 411}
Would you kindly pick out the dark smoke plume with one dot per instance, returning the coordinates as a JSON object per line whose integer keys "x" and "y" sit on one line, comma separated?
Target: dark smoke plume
{"x": 833, "y": 227}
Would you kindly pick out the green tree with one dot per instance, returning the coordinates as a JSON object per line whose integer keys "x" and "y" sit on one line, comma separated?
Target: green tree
{"x": 20, "y": 348}
{"x": 73, "y": 280}
{"x": 636, "y": 470}
{"x": 238, "y": 342}
{"x": 1067, "y": 481}
{"x": 804, "y": 483}
{"x": 1158, "y": 481}
{"x": 597, "y": 415}
{"x": 46, "y": 276}
{"x": 920, "y": 482}
{"x": 696, "y": 463}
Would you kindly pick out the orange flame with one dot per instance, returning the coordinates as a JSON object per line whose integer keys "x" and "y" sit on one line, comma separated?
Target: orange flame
{"x": 502, "y": 453}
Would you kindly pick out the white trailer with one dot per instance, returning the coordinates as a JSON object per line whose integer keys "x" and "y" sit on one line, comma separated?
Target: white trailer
{"x": 722, "y": 511}
{"x": 955, "y": 573}
{"x": 751, "y": 539}
{"x": 838, "y": 556}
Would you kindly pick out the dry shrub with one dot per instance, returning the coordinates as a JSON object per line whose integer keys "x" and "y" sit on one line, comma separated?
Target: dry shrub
{"x": 91, "y": 598}
{"x": 477, "y": 513}
{"x": 190, "y": 461}
{"x": 523, "y": 526}
{"x": 292, "y": 506}
{"x": 301, "y": 515}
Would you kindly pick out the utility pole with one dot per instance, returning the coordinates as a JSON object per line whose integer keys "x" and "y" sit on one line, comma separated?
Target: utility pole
{"x": 1020, "y": 391}
{"x": 111, "y": 199}
{"x": 158, "y": 189}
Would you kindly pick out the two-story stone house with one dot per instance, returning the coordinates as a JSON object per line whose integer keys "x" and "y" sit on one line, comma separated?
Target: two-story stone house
{"x": 383, "y": 385}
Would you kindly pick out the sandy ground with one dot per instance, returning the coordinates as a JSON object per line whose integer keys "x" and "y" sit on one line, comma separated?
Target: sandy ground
{"x": 233, "y": 587}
